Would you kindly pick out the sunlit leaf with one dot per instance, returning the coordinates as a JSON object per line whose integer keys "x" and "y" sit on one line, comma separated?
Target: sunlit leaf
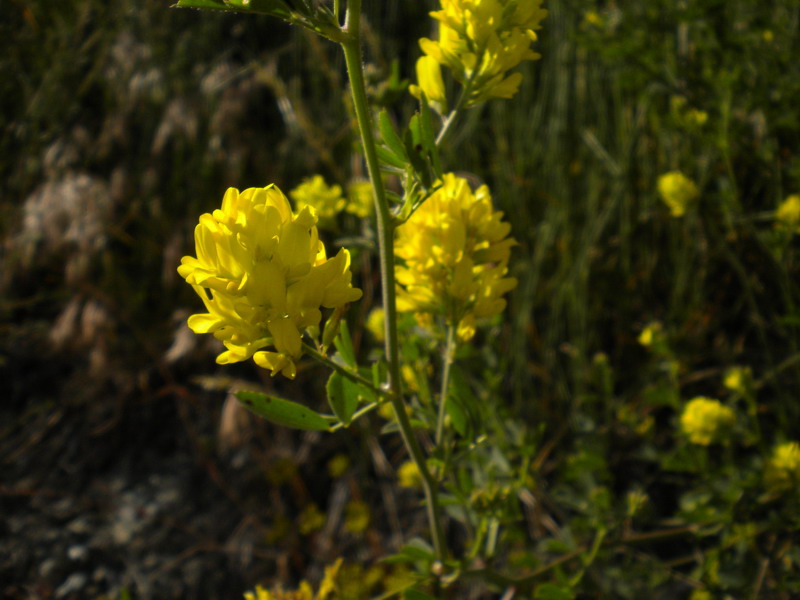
{"x": 283, "y": 412}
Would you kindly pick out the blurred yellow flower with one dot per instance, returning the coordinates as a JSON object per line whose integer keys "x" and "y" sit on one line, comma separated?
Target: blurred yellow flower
{"x": 480, "y": 41}
{"x": 677, "y": 191}
{"x": 783, "y": 469}
{"x": 327, "y": 588}
{"x": 327, "y": 200}
{"x": 454, "y": 253}
{"x": 338, "y": 465}
{"x": 787, "y": 216}
{"x": 376, "y": 324}
{"x": 652, "y": 334}
{"x": 304, "y": 592}
{"x": 263, "y": 276}
{"x": 591, "y": 17}
{"x": 311, "y": 519}
{"x": 690, "y": 118}
{"x": 408, "y": 475}
{"x": 705, "y": 420}
{"x": 737, "y": 379}
{"x": 695, "y": 117}
{"x": 356, "y": 517}
{"x": 359, "y": 199}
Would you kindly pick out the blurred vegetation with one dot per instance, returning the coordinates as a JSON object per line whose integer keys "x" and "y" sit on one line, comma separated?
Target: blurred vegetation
{"x": 123, "y": 121}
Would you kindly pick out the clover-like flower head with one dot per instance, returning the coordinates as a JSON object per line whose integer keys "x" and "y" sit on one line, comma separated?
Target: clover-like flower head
{"x": 327, "y": 200}
{"x": 480, "y": 41}
{"x": 263, "y": 275}
{"x": 705, "y": 420}
{"x": 454, "y": 251}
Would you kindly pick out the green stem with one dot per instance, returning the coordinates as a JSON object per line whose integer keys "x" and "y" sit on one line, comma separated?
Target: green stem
{"x": 359, "y": 413}
{"x": 344, "y": 371}
{"x": 449, "y": 352}
{"x": 451, "y": 118}
{"x": 351, "y": 46}
{"x": 453, "y": 115}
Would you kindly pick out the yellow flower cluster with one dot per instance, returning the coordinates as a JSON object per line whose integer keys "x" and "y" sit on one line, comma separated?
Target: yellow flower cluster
{"x": 359, "y": 199}
{"x": 783, "y": 469}
{"x": 327, "y": 588}
{"x": 454, "y": 253}
{"x": 327, "y": 200}
{"x": 479, "y": 41}
{"x": 787, "y": 216}
{"x": 677, "y": 191}
{"x": 263, "y": 276}
{"x": 408, "y": 475}
{"x": 705, "y": 420}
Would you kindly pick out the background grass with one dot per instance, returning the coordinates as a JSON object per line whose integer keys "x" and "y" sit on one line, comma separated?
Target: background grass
{"x": 143, "y": 115}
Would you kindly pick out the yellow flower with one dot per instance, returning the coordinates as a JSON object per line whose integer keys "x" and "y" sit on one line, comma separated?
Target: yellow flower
{"x": 705, "y": 420}
{"x": 359, "y": 199}
{"x": 338, "y": 465}
{"x": 327, "y": 200}
{"x": 376, "y": 324}
{"x": 311, "y": 519}
{"x": 327, "y": 588}
{"x": 690, "y": 118}
{"x": 737, "y": 379}
{"x": 652, "y": 334}
{"x": 304, "y": 592}
{"x": 592, "y": 18}
{"x": 356, "y": 517}
{"x": 454, "y": 253}
{"x": 429, "y": 76}
{"x": 787, "y": 216}
{"x": 263, "y": 276}
{"x": 783, "y": 469}
{"x": 408, "y": 475}
{"x": 677, "y": 191}
{"x": 480, "y": 41}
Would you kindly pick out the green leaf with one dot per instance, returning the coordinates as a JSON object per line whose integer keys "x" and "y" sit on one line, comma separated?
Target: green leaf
{"x": 429, "y": 136}
{"x": 344, "y": 396}
{"x": 344, "y": 344}
{"x": 457, "y": 414}
{"x": 417, "y": 549}
{"x": 203, "y": 4}
{"x": 276, "y": 8}
{"x": 464, "y": 400}
{"x": 388, "y": 157}
{"x": 283, "y": 412}
{"x": 415, "y": 149}
{"x": 551, "y": 591}
{"x": 426, "y": 125}
{"x": 390, "y": 136}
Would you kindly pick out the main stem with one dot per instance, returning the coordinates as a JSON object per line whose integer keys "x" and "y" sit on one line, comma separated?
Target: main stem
{"x": 449, "y": 351}
{"x": 352, "y": 56}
